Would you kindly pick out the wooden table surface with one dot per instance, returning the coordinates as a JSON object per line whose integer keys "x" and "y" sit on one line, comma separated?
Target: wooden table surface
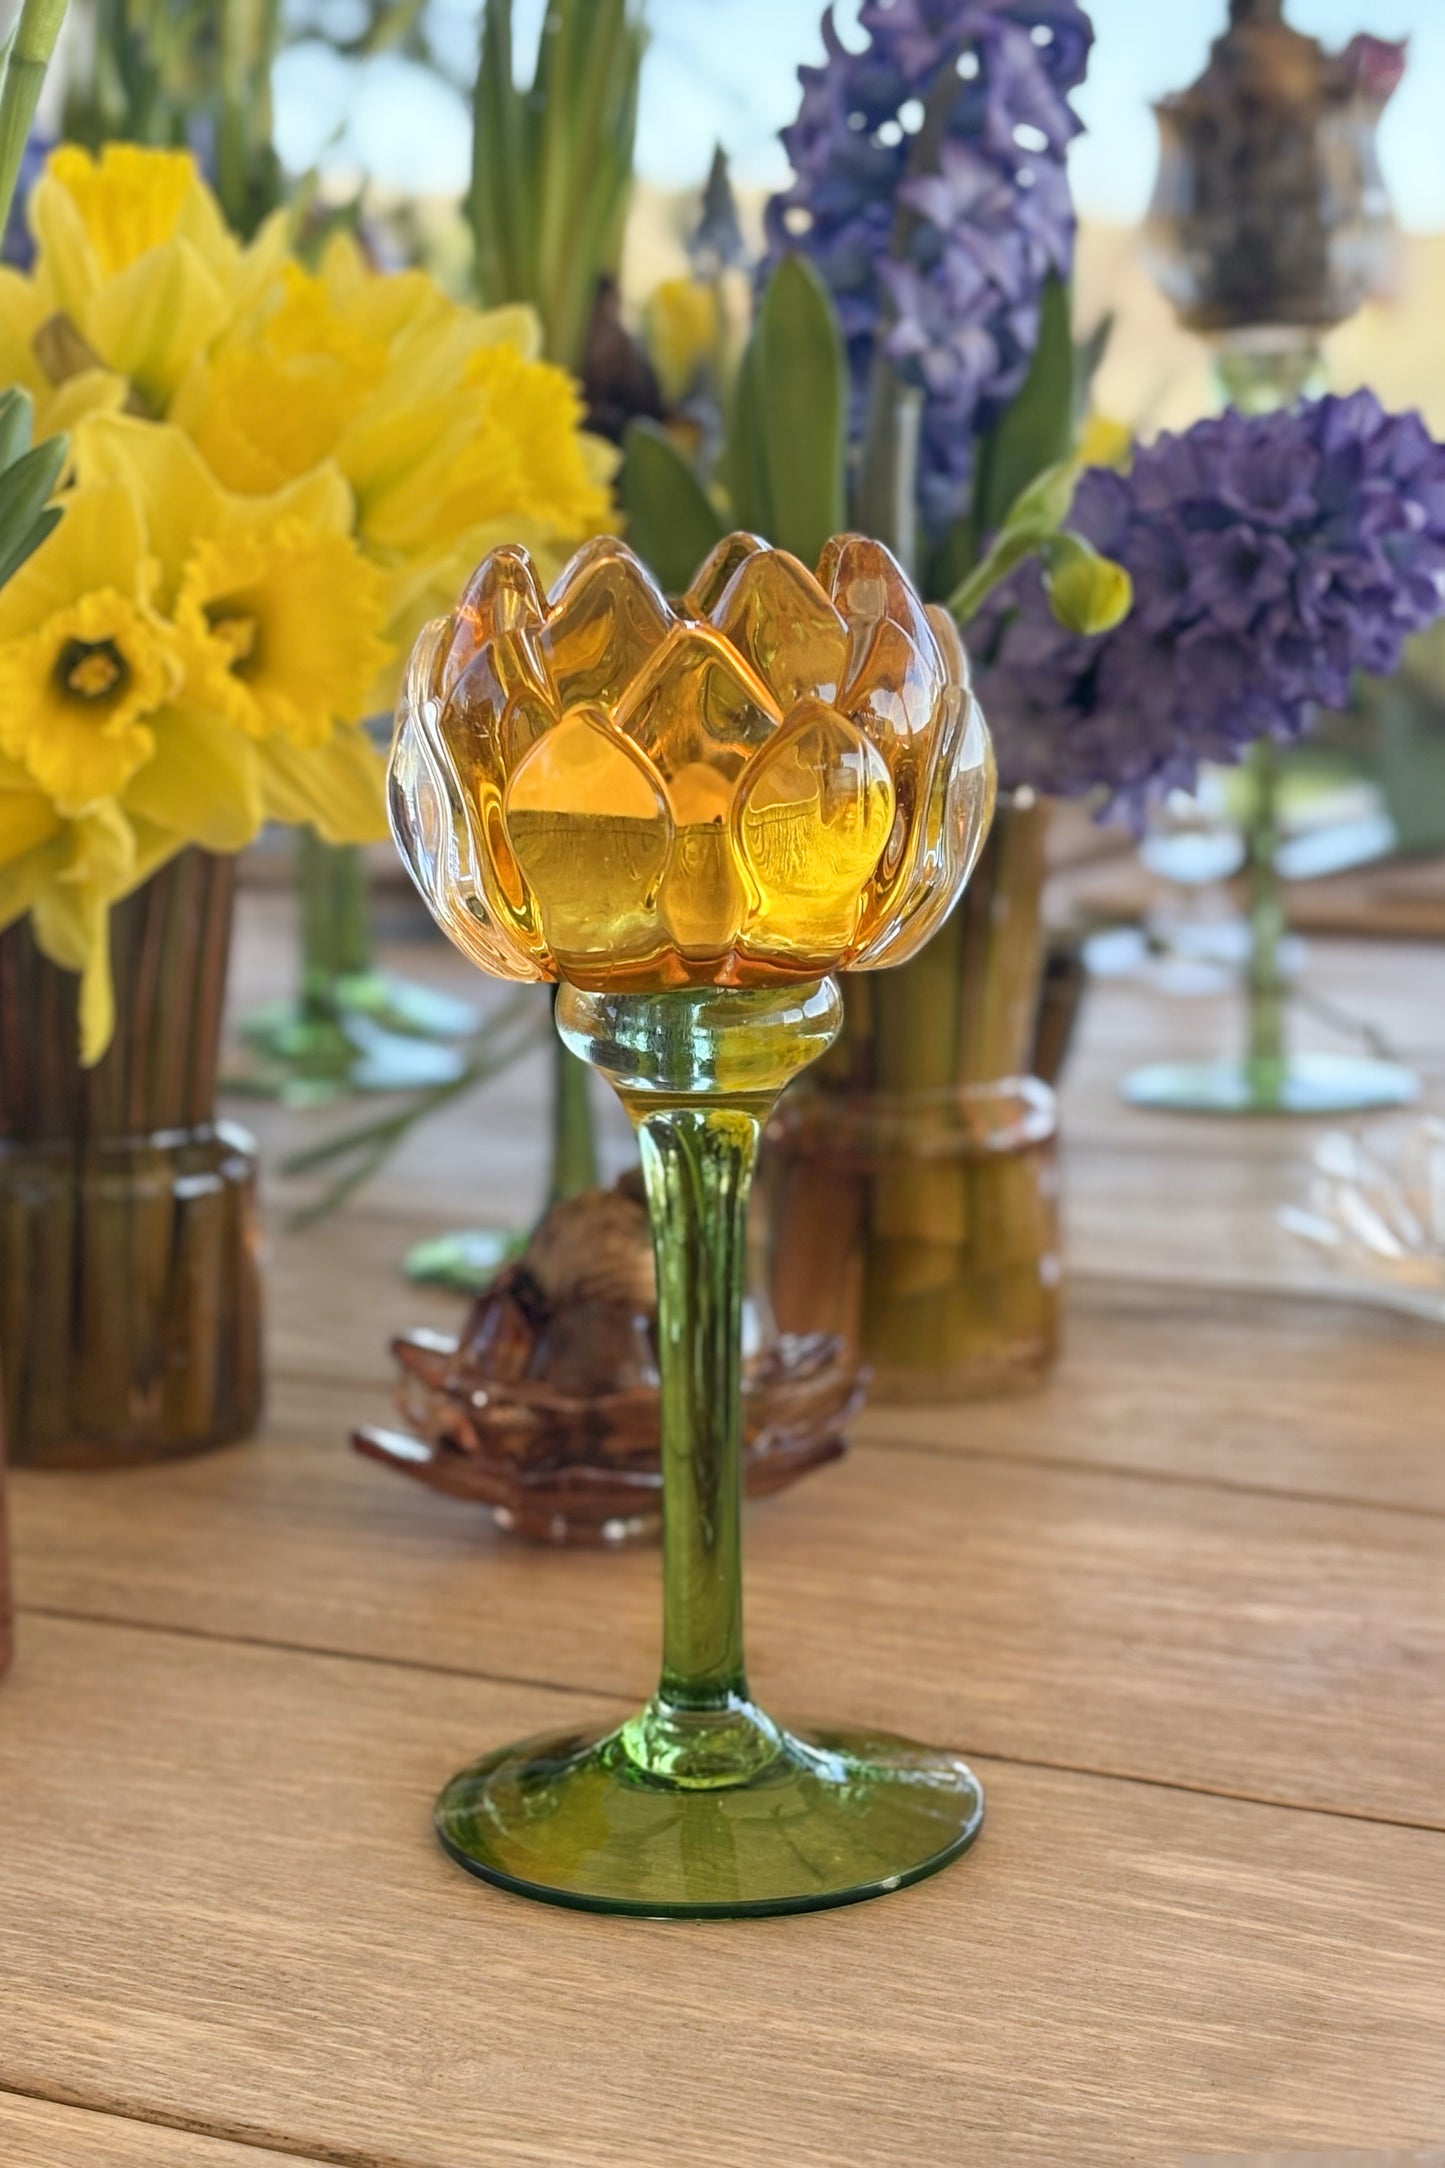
{"x": 1185, "y": 1611}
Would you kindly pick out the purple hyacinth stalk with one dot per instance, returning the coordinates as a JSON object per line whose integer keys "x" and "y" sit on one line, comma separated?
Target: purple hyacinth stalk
{"x": 1272, "y": 555}
{"x": 930, "y": 192}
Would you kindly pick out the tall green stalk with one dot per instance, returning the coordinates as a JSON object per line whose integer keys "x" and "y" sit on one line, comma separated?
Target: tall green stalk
{"x": 550, "y": 191}
{"x": 552, "y": 163}
{"x": 31, "y": 46}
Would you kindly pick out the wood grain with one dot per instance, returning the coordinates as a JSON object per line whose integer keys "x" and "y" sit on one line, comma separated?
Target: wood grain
{"x": 45, "y": 2134}
{"x": 224, "y": 1903}
{"x": 1268, "y": 1390}
{"x": 1183, "y": 1608}
{"x": 1182, "y": 1632}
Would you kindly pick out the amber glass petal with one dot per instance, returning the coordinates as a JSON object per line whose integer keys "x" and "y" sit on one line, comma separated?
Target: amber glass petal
{"x": 502, "y": 597}
{"x": 587, "y": 818}
{"x": 778, "y": 618}
{"x": 699, "y": 713}
{"x": 908, "y": 910}
{"x": 698, "y": 704}
{"x": 607, "y": 615}
{"x": 716, "y": 571}
{"x": 431, "y": 821}
{"x": 813, "y": 813}
{"x": 487, "y": 728}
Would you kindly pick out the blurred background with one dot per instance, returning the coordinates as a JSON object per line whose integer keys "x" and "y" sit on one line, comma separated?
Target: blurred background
{"x": 395, "y": 124}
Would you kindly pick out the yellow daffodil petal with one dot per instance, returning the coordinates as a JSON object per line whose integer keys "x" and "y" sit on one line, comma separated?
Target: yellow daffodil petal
{"x": 339, "y": 788}
{"x": 150, "y": 319}
{"x": 203, "y": 781}
{"x": 22, "y": 311}
{"x": 99, "y": 543}
{"x": 27, "y": 819}
{"x": 81, "y": 398}
{"x": 175, "y": 494}
{"x": 180, "y": 499}
{"x": 71, "y": 916}
{"x": 682, "y": 324}
{"x": 127, "y": 202}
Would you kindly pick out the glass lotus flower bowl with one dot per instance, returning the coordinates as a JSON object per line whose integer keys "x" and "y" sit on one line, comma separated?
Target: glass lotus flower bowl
{"x": 691, "y": 817}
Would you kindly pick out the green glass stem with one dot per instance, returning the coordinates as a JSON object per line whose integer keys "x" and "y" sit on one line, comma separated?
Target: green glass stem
{"x": 697, "y": 1163}
{"x": 698, "y": 1074}
{"x": 1265, "y": 982}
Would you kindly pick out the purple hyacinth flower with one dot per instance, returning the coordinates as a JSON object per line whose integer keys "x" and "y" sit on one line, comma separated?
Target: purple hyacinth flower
{"x": 930, "y": 193}
{"x": 1273, "y": 557}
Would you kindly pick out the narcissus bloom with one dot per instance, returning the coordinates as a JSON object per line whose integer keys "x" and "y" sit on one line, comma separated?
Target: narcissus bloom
{"x": 784, "y": 776}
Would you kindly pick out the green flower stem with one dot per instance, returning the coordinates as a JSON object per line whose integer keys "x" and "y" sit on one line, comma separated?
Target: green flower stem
{"x": 335, "y": 920}
{"x": 29, "y": 57}
{"x": 1265, "y": 982}
{"x": 248, "y": 36}
{"x": 574, "y": 1141}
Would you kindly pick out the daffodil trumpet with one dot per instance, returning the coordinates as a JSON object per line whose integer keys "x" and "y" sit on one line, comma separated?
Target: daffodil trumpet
{"x": 689, "y": 818}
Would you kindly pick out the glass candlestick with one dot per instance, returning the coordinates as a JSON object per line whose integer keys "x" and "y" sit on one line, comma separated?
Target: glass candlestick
{"x": 691, "y": 820}
{"x": 1269, "y": 1076}
{"x": 1270, "y": 225}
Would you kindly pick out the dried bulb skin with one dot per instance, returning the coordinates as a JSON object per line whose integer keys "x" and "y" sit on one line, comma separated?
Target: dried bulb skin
{"x": 782, "y": 776}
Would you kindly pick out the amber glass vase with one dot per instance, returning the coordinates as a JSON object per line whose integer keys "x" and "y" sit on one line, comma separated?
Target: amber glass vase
{"x": 912, "y": 1188}
{"x": 129, "y": 1285}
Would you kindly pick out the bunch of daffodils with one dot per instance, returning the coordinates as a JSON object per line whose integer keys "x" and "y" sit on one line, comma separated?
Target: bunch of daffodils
{"x": 277, "y": 475}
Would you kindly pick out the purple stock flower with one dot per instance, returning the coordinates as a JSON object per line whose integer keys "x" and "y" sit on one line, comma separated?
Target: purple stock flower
{"x": 930, "y": 192}
{"x": 1273, "y": 556}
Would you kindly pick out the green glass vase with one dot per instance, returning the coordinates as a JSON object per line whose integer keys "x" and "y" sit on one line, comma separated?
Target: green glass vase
{"x": 702, "y": 1805}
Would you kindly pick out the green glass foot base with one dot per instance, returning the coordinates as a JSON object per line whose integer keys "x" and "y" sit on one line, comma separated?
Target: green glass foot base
{"x": 465, "y": 1263}
{"x": 829, "y": 1818}
{"x": 1302, "y": 1084}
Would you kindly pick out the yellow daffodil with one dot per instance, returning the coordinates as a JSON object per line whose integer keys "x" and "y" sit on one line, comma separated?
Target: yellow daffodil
{"x": 683, "y": 326}
{"x": 277, "y": 616}
{"x": 451, "y": 431}
{"x": 85, "y": 659}
{"x": 277, "y": 475}
{"x": 133, "y": 253}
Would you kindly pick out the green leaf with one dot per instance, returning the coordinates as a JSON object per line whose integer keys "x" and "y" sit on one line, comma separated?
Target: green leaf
{"x": 1089, "y": 355}
{"x": 1038, "y": 429}
{"x": 799, "y": 406}
{"x": 743, "y": 467}
{"x": 15, "y": 417}
{"x": 14, "y": 549}
{"x": 25, "y": 491}
{"x": 671, "y": 521}
{"x": 1045, "y": 504}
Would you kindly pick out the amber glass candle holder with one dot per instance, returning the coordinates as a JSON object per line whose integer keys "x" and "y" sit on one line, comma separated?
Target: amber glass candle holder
{"x": 692, "y": 818}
